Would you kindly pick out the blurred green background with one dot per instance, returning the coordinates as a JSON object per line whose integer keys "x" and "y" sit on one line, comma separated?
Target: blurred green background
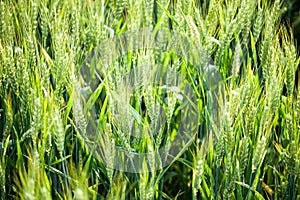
{"x": 292, "y": 16}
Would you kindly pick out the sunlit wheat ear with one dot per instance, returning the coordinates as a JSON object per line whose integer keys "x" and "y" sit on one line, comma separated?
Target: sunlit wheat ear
{"x": 79, "y": 117}
{"x": 171, "y": 83}
{"x": 244, "y": 154}
{"x": 251, "y": 118}
{"x": 297, "y": 109}
{"x": 246, "y": 96}
{"x": 228, "y": 131}
{"x": 151, "y": 155}
{"x": 3, "y": 24}
{"x": 229, "y": 184}
{"x": 199, "y": 167}
{"x": 273, "y": 91}
{"x": 220, "y": 148}
{"x": 148, "y": 6}
{"x": 45, "y": 74}
{"x": 146, "y": 186}
{"x": 236, "y": 65}
{"x": 31, "y": 48}
{"x": 258, "y": 24}
{"x": 9, "y": 118}
{"x": 194, "y": 32}
{"x": 153, "y": 107}
{"x": 258, "y": 152}
{"x": 3, "y": 166}
{"x": 121, "y": 110}
{"x": 44, "y": 23}
{"x": 225, "y": 40}
{"x": 120, "y": 106}
{"x": 31, "y": 31}
{"x": 290, "y": 126}
{"x": 232, "y": 9}
{"x": 75, "y": 25}
{"x": 141, "y": 73}
{"x": 211, "y": 18}
{"x": 233, "y": 106}
{"x": 292, "y": 159}
{"x": 36, "y": 118}
{"x": 120, "y": 6}
{"x": 7, "y": 30}
{"x": 10, "y": 77}
{"x": 35, "y": 122}
{"x": 291, "y": 63}
{"x": 109, "y": 150}
{"x": 247, "y": 22}
{"x": 266, "y": 53}
{"x": 33, "y": 173}
{"x": 58, "y": 131}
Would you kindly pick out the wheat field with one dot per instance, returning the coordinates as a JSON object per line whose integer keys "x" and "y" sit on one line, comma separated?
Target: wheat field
{"x": 148, "y": 99}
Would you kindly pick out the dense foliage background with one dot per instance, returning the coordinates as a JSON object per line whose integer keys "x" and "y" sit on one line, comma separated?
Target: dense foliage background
{"x": 254, "y": 152}
{"x": 292, "y": 16}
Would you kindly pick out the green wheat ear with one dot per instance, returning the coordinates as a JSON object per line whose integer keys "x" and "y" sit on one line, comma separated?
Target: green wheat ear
{"x": 236, "y": 64}
{"x": 58, "y": 131}
{"x": 9, "y": 118}
{"x": 244, "y": 154}
{"x": 297, "y": 109}
{"x": 258, "y": 24}
{"x": 148, "y": 6}
{"x": 3, "y": 25}
{"x": 258, "y": 152}
{"x": 120, "y": 6}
